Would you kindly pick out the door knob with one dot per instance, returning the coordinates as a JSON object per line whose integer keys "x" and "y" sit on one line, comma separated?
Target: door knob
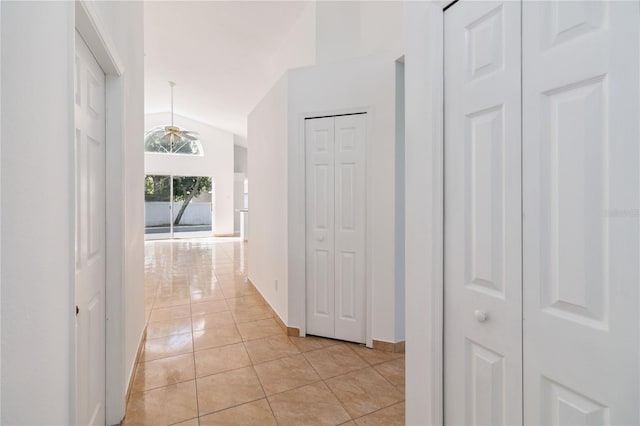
{"x": 481, "y": 316}
{"x": 320, "y": 238}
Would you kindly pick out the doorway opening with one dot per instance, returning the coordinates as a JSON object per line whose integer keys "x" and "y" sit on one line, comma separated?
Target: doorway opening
{"x": 178, "y": 206}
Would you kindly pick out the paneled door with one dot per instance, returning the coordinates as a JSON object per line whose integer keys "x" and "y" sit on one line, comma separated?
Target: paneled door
{"x": 581, "y": 185}
{"x": 335, "y": 227}
{"x": 90, "y": 192}
{"x": 482, "y": 234}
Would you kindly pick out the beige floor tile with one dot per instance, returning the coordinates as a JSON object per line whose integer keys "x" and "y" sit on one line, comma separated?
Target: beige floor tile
{"x": 191, "y": 422}
{"x": 390, "y": 416}
{"x": 393, "y": 371}
{"x": 202, "y": 322}
{"x": 269, "y": 348}
{"x": 252, "y": 313}
{"x": 251, "y": 300}
{"x": 312, "y": 343}
{"x": 285, "y": 373}
{"x": 209, "y": 307}
{"x": 163, "y": 372}
{"x": 162, "y": 406}
{"x": 252, "y": 413}
{"x": 228, "y": 389}
{"x": 221, "y": 335}
{"x": 164, "y": 314}
{"x": 233, "y": 291}
{"x": 207, "y": 295}
{"x": 374, "y": 356}
{"x": 364, "y": 391}
{"x": 168, "y": 327}
{"x": 223, "y": 358}
{"x": 309, "y": 405}
{"x": 259, "y": 329}
{"x": 163, "y": 347}
{"x": 167, "y": 301}
{"x": 335, "y": 360}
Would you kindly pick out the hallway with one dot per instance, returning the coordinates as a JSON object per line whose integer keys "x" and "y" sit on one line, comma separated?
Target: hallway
{"x": 215, "y": 354}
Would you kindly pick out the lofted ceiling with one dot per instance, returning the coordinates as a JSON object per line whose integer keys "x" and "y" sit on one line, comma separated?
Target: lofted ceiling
{"x": 217, "y": 52}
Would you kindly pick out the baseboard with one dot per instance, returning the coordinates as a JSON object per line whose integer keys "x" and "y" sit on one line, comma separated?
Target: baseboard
{"x": 290, "y": 331}
{"x": 143, "y": 339}
{"x": 397, "y": 347}
{"x": 224, "y": 235}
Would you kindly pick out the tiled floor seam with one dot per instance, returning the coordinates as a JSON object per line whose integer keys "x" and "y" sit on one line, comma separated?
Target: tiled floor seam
{"x": 233, "y": 406}
{"x": 266, "y": 397}
{"x": 193, "y": 356}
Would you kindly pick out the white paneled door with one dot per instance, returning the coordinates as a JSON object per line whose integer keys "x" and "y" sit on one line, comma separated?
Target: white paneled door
{"x": 335, "y": 227}
{"x": 581, "y": 185}
{"x": 483, "y": 271}
{"x": 90, "y": 236}
{"x": 542, "y": 201}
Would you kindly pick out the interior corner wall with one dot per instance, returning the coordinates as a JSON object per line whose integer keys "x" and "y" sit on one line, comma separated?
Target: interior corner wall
{"x": 365, "y": 84}
{"x": 268, "y": 213}
{"x": 217, "y": 162}
{"x": 37, "y": 246}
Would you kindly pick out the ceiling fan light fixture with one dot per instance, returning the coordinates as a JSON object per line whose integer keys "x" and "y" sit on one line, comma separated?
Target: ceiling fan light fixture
{"x": 172, "y": 139}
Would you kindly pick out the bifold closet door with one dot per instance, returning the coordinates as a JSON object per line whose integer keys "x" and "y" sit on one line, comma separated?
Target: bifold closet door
{"x": 482, "y": 271}
{"x": 581, "y": 186}
{"x": 336, "y": 227}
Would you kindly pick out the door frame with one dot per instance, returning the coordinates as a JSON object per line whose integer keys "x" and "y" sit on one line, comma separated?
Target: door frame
{"x": 90, "y": 28}
{"x": 424, "y": 211}
{"x": 298, "y": 270}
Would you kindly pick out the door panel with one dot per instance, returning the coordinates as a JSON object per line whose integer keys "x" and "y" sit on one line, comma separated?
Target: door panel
{"x": 320, "y": 226}
{"x": 90, "y": 195}
{"x": 336, "y": 226}
{"x": 350, "y": 227}
{"x": 580, "y": 197}
{"x": 483, "y": 317}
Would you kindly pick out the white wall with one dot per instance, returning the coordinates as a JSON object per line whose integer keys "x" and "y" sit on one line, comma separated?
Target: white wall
{"x": 216, "y": 162}
{"x": 350, "y": 29}
{"x": 37, "y": 245}
{"x": 276, "y": 160}
{"x": 240, "y": 160}
{"x": 267, "y": 138}
{"x": 358, "y": 85}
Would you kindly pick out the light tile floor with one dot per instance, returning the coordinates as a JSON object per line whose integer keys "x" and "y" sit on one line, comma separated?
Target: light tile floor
{"x": 215, "y": 355}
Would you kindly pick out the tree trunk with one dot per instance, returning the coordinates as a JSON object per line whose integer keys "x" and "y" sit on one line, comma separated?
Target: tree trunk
{"x": 187, "y": 200}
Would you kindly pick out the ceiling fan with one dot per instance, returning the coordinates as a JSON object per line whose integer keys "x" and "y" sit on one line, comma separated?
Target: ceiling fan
{"x": 172, "y": 139}
{"x": 174, "y": 132}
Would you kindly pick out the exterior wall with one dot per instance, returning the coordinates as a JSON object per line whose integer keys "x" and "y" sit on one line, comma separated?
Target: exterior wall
{"x": 155, "y": 213}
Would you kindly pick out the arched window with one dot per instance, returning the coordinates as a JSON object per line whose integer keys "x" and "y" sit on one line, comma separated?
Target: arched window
{"x": 172, "y": 140}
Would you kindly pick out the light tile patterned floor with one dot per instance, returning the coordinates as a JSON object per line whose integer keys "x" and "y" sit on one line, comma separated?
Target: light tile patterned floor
{"x": 215, "y": 355}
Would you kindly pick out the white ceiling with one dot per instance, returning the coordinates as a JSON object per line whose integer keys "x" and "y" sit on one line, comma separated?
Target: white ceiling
{"x": 218, "y": 54}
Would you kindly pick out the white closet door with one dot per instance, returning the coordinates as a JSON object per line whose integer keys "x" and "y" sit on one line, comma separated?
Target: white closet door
{"x": 350, "y": 198}
{"x": 581, "y": 184}
{"x": 90, "y": 193}
{"x": 320, "y": 226}
{"x": 483, "y": 315}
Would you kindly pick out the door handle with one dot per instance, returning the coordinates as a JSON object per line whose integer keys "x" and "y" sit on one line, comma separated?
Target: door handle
{"x": 320, "y": 238}
{"x": 481, "y": 316}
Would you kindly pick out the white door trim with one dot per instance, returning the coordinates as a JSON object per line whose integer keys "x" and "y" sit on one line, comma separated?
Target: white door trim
{"x": 298, "y": 271}
{"x": 89, "y": 26}
{"x": 424, "y": 179}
